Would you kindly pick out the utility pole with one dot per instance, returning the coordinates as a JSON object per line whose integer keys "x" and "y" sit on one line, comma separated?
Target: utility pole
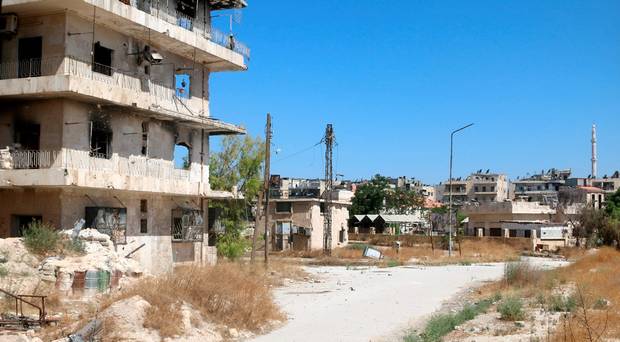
{"x": 329, "y": 186}
{"x": 268, "y": 134}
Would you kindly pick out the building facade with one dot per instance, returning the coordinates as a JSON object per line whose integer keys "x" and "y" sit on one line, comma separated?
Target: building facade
{"x": 297, "y": 214}
{"x": 542, "y": 187}
{"x": 477, "y": 187}
{"x": 105, "y": 118}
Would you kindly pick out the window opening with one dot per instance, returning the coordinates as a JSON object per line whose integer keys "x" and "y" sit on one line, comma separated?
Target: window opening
{"x": 145, "y": 138}
{"x": 110, "y": 221}
{"x": 21, "y": 222}
{"x": 182, "y": 156}
{"x": 187, "y": 225}
{"x": 102, "y": 59}
{"x": 100, "y": 141}
{"x": 29, "y": 52}
{"x": 284, "y": 207}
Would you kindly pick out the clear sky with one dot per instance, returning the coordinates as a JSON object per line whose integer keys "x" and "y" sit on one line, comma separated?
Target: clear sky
{"x": 396, "y": 77}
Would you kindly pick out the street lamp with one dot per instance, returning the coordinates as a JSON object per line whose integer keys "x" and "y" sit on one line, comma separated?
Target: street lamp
{"x": 450, "y": 187}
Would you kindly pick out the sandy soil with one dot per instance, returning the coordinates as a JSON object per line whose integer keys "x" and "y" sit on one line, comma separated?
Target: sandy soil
{"x": 368, "y": 303}
{"x": 374, "y": 304}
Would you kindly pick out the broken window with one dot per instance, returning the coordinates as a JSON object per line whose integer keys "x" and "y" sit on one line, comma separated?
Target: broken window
{"x": 145, "y": 138}
{"x": 187, "y": 8}
{"x": 27, "y": 136}
{"x": 182, "y": 157}
{"x": 182, "y": 85}
{"x": 187, "y": 225}
{"x": 284, "y": 207}
{"x": 100, "y": 140}
{"x": 102, "y": 62}
{"x": 143, "y": 206}
{"x": 110, "y": 221}
{"x": 29, "y": 57}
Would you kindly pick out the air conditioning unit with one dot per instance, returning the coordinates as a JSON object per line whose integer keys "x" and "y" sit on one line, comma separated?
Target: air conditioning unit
{"x": 8, "y": 23}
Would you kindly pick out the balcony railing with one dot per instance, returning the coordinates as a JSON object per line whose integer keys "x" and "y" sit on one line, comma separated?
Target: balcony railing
{"x": 72, "y": 66}
{"x": 135, "y": 166}
{"x": 161, "y": 10}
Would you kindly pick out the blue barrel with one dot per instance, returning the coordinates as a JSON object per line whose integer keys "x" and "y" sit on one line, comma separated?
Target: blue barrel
{"x": 91, "y": 281}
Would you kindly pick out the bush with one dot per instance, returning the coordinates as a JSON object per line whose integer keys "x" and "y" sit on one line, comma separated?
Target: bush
{"x": 3, "y": 271}
{"x": 560, "y": 303}
{"x": 520, "y": 273}
{"x": 511, "y": 309}
{"x": 75, "y": 246}
{"x": 440, "y": 325}
{"x": 232, "y": 246}
{"x": 41, "y": 238}
{"x": 357, "y": 246}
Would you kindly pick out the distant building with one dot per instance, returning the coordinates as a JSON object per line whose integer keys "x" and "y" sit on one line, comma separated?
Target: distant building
{"x": 542, "y": 187}
{"x": 296, "y": 214}
{"x": 486, "y": 219}
{"x": 477, "y": 187}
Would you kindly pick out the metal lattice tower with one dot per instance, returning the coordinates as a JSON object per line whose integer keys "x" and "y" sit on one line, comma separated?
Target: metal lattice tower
{"x": 329, "y": 186}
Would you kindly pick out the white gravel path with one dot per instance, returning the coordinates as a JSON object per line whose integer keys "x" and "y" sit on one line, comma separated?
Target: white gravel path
{"x": 371, "y": 304}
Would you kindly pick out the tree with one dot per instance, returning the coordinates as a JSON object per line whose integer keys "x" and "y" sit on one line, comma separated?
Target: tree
{"x": 369, "y": 197}
{"x": 238, "y": 164}
{"x": 589, "y": 223}
{"x": 401, "y": 201}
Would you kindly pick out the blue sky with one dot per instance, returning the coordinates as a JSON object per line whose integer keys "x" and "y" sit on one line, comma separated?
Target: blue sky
{"x": 395, "y": 80}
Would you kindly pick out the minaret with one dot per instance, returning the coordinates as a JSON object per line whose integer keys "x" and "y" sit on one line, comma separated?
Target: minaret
{"x": 594, "y": 158}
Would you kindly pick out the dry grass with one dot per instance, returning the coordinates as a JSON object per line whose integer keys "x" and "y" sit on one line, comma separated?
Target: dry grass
{"x": 472, "y": 251}
{"x": 235, "y": 295}
{"x": 593, "y": 284}
{"x": 598, "y": 297}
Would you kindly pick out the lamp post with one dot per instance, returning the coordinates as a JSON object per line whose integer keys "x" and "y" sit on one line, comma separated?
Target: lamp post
{"x": 450, "y": 188}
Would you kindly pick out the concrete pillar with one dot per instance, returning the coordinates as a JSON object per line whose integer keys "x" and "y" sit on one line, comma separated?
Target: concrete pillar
{"x": 534, "y": 239}
{"x": 480, "y": 232}
{"x": 506, "y": 233}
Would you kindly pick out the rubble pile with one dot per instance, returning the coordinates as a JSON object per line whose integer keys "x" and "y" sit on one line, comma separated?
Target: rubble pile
{"x": 99, "y": 268}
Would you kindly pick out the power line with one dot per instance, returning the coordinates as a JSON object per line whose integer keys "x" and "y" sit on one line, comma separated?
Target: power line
{"x": 298, "y": 152}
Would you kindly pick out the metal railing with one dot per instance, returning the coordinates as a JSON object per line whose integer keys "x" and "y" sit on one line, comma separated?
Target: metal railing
{"x": 135, "y": 166}
{"x": 72, "y": 66}
{"x": 161, "y": 10}
{"x": 30, "y": 159}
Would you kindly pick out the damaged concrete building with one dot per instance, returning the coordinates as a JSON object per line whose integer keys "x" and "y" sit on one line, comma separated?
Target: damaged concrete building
{"x": 297, "y": 214}
{"x": 105, "y": 117}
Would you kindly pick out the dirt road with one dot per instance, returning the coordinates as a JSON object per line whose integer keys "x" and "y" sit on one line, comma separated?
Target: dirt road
{"x": 370, "y": 304}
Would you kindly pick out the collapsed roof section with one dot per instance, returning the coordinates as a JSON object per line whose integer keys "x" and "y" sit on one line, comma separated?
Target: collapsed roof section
{"x": 226, "y": 4}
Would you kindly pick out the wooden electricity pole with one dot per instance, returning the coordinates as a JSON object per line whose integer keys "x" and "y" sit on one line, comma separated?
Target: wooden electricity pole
{"x": 268, "y": 134}
{"x": 329, "y": 186}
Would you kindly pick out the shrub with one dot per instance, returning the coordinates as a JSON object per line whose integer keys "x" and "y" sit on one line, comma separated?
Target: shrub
{"x": 559, "y": 303}
{"x": 357, "y": 246}
{"x": 41, "y": 238}
{"x": 75, "y": 246}
{"x": 511, "y": 309}
{"x": 3, "y": 271}
{"x": 393, "y": 263}
{"x": 440, "y": 325}
{"x": 231, "y": 247}
{"x": 520, "y": 273}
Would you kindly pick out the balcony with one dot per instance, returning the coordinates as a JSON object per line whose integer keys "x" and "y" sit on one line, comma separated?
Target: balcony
{"x": 191, "y": 38}
{"x": 69, "y": 76}
{"x": 68, "y": 167}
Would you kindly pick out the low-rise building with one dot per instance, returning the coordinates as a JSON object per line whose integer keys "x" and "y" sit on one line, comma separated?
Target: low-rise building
{"x": 542, "y": 187}
{"x": 486, "y": 219}
{"x": 477, "y": 187}
{"x": 297, "y": 214}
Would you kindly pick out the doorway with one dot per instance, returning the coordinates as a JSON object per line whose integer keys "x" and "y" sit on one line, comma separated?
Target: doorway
{"x": 29, "y": 53}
